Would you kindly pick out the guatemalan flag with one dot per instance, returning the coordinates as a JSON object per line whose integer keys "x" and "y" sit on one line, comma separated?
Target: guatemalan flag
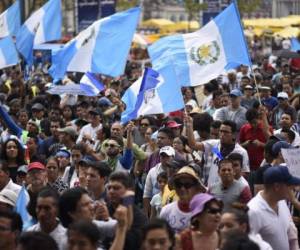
{"x": 8, "y": 53}
{"x": 42, "y": 26}
{"x": 101, "y": 48}
{"x": 10, "y": 20}
{"x": 295, "y": 44}
{"x": 203, "y": 55}
{"x": 91, "y": 85}
{"x": 153, "y": 93}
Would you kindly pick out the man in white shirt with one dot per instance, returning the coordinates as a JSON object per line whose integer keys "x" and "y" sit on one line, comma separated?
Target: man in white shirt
{"x": 218, "y": 149}
{"x": 88, "y": 133}
{"x": 269, "y": 215}
{"x": 5, "y": 181}
{"x": 47, "y": 212}
{"x": 166, "y": 155}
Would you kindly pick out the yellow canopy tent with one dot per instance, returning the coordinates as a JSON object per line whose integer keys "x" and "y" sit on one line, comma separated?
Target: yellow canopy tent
{"x": 288, "y": 32}
{"x": 156, "y": 23}
{"x": 181, "y": 26}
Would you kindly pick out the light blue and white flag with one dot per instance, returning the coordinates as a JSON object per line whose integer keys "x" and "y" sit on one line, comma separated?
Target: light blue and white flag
{"x": 10, "y": 20}
{"x": 42, "y": 26}
{"x": 91, "y": 85}
{"x": 101, "y": 48}
{"x": 153, "y": 93}
{"x": 295, "y": 44}
{"x": 21, "y": 207}
{"x": 203, "y": 55}
{"x": 8, "y": 53}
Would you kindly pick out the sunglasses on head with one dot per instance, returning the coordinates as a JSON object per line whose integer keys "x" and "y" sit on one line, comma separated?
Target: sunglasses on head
{"x": 109, "y": 145}
{"x": 186, "y": 185}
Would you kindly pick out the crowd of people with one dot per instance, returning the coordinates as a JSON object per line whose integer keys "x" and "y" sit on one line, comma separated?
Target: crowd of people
{"x": 210, "y": 176}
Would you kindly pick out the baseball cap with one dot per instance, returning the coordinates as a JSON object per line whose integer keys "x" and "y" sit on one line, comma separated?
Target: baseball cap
{"x": 23, "y": 169}
{"x": 282, "y": 95}
{"x": 168, "y": 150}
{"x": 264, "y": 87}
{"x": 248, "y": 87}
{"x": 36, "y": 165}
{"x": 279, "y": 145}
{"x": 236, "y": 93}
{"x": 8, "y": 196}
{"x": 63, "y": 153}
{"x": 198, "y": 202}
{"x": 280, "y": 174}
{"x": 37, "y": 106}
{"x": 87, "y": 160}
{"x": 95, "y": 112}
{"x": 173, "y": 124}
{"x": 68, "y": 130}
{"x": 104, "y": 101}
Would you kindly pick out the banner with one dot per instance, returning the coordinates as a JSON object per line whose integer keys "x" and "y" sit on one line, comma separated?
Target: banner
{"x": 292, "y": 160}
{"x": 88, "y": 11}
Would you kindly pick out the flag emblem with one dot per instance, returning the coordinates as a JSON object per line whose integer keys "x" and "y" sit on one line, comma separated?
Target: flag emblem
{"x": 206, "y": 53}
{"x": 149, "y": 94}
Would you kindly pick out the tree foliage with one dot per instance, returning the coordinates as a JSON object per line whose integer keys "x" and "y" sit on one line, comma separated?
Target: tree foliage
{"x": 193, "y": 9}
{"x": 248, "y": 6}
{"x": 126, "y": 4}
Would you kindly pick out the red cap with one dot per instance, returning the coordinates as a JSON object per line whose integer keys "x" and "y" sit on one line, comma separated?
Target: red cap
{"x": 36, "y": 165}
{"x": 173, "y": 124}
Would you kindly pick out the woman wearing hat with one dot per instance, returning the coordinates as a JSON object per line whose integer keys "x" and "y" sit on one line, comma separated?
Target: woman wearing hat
{"x": 205, "y": 219}
{"x": 186, "y": 184}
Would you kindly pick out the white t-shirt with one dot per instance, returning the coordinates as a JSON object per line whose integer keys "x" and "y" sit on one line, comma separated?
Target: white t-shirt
{"x": 156, "y": 202}
{"x": 272, "y": 227}
{"x": 177, "y": 219}
{"x": 88, "y": 130}
{"x": 263, "y": 245}
{"x": 151, "y": 185}
{"x": 208, "y": 153}
{"x": 58, "y": 234}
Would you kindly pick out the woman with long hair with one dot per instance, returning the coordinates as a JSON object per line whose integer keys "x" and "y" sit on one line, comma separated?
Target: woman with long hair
{"x": 14, "y": 154}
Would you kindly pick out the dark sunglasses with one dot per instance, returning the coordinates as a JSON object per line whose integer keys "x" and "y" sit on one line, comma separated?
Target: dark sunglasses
{"x": 186, "y": 185}
{"x": 144, "y": 125}
{"x": 110, "y": 145}
{"x": 213, "y": 210}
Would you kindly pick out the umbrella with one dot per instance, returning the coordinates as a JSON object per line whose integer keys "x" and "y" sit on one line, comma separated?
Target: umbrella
{"x": 70, "y": 88}
{"x": 285, "y": 53}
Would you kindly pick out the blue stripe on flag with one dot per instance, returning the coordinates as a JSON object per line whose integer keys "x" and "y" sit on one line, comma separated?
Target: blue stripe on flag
{"x": 234, "y": 43}
{"x": 14, "y": 18}
{"x": 295, "y": 44}
{"x": 8, "y": 52}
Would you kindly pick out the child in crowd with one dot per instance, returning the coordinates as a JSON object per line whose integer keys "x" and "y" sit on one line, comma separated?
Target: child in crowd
{"x": 156, "y": 201}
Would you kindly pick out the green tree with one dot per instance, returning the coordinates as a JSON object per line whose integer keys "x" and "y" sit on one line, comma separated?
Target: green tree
{"x": 193, "y": 9}
{"x": 248, "y": 6}
{"x": 126, "y": 4}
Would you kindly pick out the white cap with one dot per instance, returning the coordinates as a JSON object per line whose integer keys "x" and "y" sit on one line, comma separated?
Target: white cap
{"x": 9, "y": 197}
{"x": 282, "y": 95}
{"x": 168, "y": 150}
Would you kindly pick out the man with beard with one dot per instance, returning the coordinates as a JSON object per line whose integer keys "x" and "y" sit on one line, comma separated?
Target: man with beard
{"x": 114, "y": 147}
{"x": 215, "y": 150}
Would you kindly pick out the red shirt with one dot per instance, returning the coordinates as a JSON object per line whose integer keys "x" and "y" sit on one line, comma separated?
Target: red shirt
{"x": 255, "y": 153}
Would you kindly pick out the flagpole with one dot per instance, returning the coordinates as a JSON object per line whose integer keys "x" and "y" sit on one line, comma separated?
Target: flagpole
{"x": 255, "y": 83}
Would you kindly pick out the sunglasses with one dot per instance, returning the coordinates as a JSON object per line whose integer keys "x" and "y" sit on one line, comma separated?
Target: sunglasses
{"x": 213, "y": 210}
{"x": 186, "y": 185}
{"x": 144, "y": 125}
{"x": 111, "y": 145}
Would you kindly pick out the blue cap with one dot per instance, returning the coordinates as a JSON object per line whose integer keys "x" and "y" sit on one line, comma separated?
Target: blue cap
{"x": 279, "y": 145}
{"x": 104, "y": 101}
{"x": 236, "y": 93}
{"x": 280, "y": 174}
{"x": 63, "y": 153}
